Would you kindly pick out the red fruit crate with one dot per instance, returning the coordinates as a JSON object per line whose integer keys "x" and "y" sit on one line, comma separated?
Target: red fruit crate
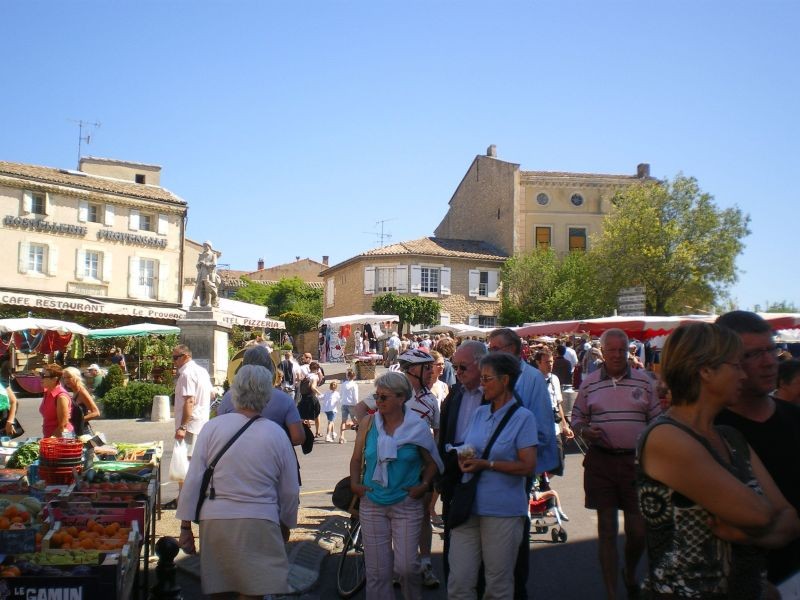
{"x": 56, "y": 448}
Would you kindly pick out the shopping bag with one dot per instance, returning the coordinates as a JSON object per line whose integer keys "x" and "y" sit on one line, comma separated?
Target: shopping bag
{"x": 179, "y": 465}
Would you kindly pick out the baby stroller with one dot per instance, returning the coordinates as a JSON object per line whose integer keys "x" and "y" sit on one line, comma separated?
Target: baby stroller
{"x": 546, "y": 513}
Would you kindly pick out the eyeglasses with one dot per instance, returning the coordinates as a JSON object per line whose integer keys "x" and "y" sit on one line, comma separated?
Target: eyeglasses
{"x": 499, "y": 348}
{"x": 46, "y": 376}
{"x": 177, "y": 356}
{"x": 759, "y": 353}
{"x": 462, "y": 367}
{"x": 384, "y": 397}
{"x": 485, "y": 378}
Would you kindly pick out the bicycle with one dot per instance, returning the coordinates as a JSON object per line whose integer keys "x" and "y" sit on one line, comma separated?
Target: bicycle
{"x": 351, "y": 574}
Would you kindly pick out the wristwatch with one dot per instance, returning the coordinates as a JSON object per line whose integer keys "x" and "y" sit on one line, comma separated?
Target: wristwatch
{"x": 182, "y": 428}
{"x": 491, "y": 465}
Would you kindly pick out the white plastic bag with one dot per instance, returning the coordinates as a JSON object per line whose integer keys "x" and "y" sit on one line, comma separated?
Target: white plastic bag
{"x": 179, "y": 465}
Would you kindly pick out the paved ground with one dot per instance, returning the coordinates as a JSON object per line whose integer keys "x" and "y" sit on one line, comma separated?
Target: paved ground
{"x": 557, "y": 570}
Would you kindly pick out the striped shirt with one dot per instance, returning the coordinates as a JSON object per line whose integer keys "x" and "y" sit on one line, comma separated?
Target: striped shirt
{"x": 620, "y": 407}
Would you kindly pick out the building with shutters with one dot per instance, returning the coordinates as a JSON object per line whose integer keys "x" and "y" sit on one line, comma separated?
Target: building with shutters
{"x": 104, "y": 239}
{"x": 462, "y": 275}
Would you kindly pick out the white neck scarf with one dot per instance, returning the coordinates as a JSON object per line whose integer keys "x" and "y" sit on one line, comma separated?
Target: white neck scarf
{"x": 412, "y": 430}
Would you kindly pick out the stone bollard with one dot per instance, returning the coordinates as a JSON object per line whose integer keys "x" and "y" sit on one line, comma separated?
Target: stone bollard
{"x": 166, "y": 588}
{"x": 160, "y": 410}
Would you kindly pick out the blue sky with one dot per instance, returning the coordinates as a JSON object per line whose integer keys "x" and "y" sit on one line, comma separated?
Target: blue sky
{"x": 293, "y": 128}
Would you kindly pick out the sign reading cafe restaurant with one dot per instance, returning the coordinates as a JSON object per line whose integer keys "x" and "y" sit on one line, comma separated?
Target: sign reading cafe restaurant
{"x": 90, "y": 306}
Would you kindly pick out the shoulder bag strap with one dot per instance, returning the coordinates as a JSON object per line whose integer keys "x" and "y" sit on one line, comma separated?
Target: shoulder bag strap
{"x": 208, "y": 475}
{"x": 497, "y": 431}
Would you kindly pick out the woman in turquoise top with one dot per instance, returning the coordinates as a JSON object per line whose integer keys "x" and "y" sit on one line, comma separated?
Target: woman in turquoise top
{"x": 393, "y": 464}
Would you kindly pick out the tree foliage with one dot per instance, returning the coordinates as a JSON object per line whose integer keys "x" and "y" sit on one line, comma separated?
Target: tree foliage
{"x": 673, "y": 239}
{"x": 297, "y": 322}
{"x": 290, "y": 294}
{"x": 541, "y": 286}
{"x": 783, "y": 306}
{"x": 410, "y": 309}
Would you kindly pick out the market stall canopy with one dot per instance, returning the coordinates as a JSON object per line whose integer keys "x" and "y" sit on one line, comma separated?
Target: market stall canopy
{"x": 357, "y": 320}
{"x": 782, "y": 320}
{"x": 642, "y": 328}
{"x": 136, "y": 330}
{"x": 241, "y": 313}
{"x": 29, "y": 323}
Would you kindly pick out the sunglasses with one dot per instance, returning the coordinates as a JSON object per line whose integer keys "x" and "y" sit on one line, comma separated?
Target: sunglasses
{"x": 384, "y": 397}
{"x": 177, "y": 356}
{"x": 45, "y": 376}
{"x": 462, "y": 367}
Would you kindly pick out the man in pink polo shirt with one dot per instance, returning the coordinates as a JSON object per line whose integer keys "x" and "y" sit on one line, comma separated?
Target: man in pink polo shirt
{"x": 614, "y": 405}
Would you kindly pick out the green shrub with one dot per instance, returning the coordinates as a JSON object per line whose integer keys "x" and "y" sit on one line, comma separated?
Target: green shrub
{"x": 297, "y": 322}
{"x": 132, "y": 401}
{"x": 114, "y": 378}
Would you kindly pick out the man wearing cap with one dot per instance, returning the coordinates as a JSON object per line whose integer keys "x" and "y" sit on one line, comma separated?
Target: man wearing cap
{"x": 613, "y": 407}
{"x": 95, "y": 377}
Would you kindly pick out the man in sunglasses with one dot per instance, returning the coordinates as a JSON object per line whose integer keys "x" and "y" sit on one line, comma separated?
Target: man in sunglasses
{"x": 771, "y": 426}
{"x": 192, "y": 402}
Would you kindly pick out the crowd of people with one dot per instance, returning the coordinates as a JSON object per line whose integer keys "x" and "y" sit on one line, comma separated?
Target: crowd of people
{"x": 699, "y": 458}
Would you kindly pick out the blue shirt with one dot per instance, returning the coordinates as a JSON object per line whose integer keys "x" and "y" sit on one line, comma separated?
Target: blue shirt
{"x": 403, "y": 472}
{"x": 280, "y": 409}
{"x": 531, "y": 392}
{"x": 499, "y": 494}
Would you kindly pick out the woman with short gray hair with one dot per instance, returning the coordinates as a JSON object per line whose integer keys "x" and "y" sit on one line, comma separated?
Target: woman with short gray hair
{"x": 244, "y": 525}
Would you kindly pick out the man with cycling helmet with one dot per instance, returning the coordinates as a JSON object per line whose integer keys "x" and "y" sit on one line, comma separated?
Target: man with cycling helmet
{"x": 416, "y": 365}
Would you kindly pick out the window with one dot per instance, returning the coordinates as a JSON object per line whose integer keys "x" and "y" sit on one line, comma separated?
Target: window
{"x": 91, "y": 265}
{"x": 429, "y": 280}
{"x": 148, "y": 277}
{"x": 483, "y": 283}
{"x": 543, "y": 237}
{"x": 37, "y": 254}
{"x": 487, "y": 321}
{"x": 38, "y": 203}
{"x": 385, "y": 279}
{"x": 576, "y": 199}
{"x": 145, "y": 222}
{"x": 577, "y": 239}
{"x": 93, "y": 213}
{"x": 139, "y": 178}
{"x": 542, "y": 199}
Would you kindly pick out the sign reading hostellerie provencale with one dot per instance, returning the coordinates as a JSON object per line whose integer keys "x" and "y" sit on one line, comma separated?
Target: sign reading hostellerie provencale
{"x": 42, "y": 225}
{"x": 131, "y": 238}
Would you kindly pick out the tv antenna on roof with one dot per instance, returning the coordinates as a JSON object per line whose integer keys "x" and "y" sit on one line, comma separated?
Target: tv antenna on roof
{"x": 381, "y": 237}
{"x": 81, "y": 138}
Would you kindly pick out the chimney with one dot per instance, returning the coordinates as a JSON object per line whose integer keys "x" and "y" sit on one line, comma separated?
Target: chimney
{"x": 492, "y": 151}
{"x": 260, "y": 264}
{"x": 325, "y": 260}
{"x": 297, "y": 258}
{"x": 643, "y": 170}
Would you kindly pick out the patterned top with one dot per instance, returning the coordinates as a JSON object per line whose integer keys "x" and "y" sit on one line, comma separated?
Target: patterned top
{"x": 686, "y": 559}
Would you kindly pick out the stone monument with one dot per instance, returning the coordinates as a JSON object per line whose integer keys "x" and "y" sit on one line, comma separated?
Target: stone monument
{"x": 203, "y": 328}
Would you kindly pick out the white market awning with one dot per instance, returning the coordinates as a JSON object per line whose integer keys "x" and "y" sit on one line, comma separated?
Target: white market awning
{"x": 358, "y": 320}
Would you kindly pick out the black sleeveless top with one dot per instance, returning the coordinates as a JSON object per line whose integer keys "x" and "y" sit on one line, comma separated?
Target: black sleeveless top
{"x": 686, "y": 559}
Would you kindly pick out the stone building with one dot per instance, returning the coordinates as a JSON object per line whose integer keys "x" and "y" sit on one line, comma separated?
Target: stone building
{"x": 462, "y": 275}
{"x": 104, "y": 239}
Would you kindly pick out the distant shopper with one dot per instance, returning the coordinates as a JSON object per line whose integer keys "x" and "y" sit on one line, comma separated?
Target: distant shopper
{"x": 788, "y": 381}
{"x": 118, "y": 358}
{"x": 56, "y": 404}
{"x": 349, "y": 401}
{"x": 330, "y": 406}
{"x": 95, "y": 377}
{"x": 84, "y": 409}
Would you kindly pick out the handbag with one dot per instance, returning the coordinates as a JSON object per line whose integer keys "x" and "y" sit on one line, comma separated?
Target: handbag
{"x": 17, "y": 426}
{"x": 343, "y": 497}
{"x": 208, "y": 474}
{"x": 460, "y": 509}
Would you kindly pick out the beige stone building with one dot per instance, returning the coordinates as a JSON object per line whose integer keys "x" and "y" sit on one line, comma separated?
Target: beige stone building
{"x": 462, "y": 275}
{"x": 303, "y": 268}
{"x": 518, "y": 210}
{"x": 104, "y": 239}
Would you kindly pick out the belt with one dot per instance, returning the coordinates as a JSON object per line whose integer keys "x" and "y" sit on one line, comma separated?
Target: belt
{"x": 615, "y": 451}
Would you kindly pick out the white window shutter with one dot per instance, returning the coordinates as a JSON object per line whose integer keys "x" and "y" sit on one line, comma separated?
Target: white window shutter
{"x": 493, "y": 284}
{"x": 52, "y": 260}
{"x": 134, "y": 289}
{"x": 401, "y": 278}
{"x": 133, "y": 220}
{"x": 83, "y": 211}
{"x": 416, "y": 279}
{"x": 444, "y": 318}
{"x": 27, "y": 203}
{"x": 107, "y": 266}
{"x": 473, "y": 321}
{"x": 474, "y": 282}
{"x": 80, "y": 263}
{"x": 47, "y": 202}
{"x": 444, "y": 288}
{"x": 164, "y": 282}
{"x": 163, "y": 225}
{"x": 369, "y": 280}
{"x": 24, "y": 255}
{"x": 109, "y": 220}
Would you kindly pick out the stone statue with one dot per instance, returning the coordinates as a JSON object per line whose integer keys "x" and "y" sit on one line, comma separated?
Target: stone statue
{"x": 208, "y": 280}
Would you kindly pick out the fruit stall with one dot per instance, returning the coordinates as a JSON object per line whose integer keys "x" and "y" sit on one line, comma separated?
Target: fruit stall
{"x": 77, "y": 517}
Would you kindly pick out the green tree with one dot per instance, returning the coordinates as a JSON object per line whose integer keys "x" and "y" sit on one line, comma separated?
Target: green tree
{"x": 781, "y": 307}
{"x": 410, "y": 309}
{"x": 673, "y": 239}
{"x": 297, "y": 322}
{"x": 290, "y": 294}
{"x": 542, "y": 286}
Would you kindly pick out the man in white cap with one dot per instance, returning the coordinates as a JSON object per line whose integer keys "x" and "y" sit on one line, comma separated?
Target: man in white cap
{"x": 95, "y": 377}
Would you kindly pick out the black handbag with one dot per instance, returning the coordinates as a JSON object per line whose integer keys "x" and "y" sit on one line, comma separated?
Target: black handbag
{"x": 460, "y": 509}
{"x": 208, "y": 474}
{"x": 18, "y": 430}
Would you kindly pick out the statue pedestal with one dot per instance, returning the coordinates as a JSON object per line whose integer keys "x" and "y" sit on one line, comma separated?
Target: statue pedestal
{"x": 205, "y": 331}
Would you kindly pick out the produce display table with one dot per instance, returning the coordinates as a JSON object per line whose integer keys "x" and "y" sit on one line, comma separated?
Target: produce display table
{"x": 89, "y": 535}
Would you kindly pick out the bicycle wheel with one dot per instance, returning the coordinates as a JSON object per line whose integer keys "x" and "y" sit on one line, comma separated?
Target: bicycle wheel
{"x": 352, "y": 572}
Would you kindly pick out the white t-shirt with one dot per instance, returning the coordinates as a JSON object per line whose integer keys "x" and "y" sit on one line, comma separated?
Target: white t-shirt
{"x": 349, "y": 393}
{"x": 330, "y": 401}
{"x": 193, "y": 380}
{"x": 571, "y": 356}
{"x": 440, "y": 389}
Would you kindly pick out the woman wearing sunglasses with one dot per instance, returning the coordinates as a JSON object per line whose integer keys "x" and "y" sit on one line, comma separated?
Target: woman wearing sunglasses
{"x": 56, "y": 404}
{"x": 393, "y": 464}
{"x": 493, "y": 533}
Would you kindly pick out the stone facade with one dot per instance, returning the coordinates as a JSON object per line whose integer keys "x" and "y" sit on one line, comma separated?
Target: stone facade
{"x": 305, "y": 268}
